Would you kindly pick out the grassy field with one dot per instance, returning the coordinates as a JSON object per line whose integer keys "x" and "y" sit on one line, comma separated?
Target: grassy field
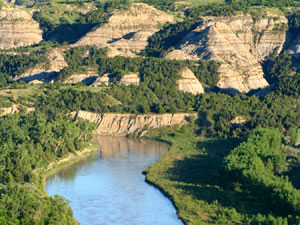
{"x": 190, "y": 174}
{"x": 27, "y": 95}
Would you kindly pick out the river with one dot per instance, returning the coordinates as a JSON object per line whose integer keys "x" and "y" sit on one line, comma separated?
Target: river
{"x": 108, "y": 188}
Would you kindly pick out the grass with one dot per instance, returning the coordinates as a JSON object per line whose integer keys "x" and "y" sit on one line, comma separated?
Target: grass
{"x": 23, "y": 95}
{"x": 27, "y": 95}
{"x": 27, "y": 91}
{"x": 190, "y": 174}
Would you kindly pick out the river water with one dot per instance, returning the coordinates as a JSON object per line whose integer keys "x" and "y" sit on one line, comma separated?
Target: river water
{"x": 108, "y": 188}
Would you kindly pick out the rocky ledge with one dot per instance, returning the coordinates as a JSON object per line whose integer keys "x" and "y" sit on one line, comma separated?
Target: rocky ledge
{"x": 128, "y": 30}
{"x": 239, "y": 43}
{"x": 131, "y": 124}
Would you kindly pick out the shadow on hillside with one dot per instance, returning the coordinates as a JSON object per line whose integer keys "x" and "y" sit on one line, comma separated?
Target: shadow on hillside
{"x": 201, "y": 177}
{"x": 69, "y": 33}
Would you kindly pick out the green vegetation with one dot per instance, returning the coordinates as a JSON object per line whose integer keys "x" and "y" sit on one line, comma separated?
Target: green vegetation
{"x": 65, "y": 22}
{"x": 30, "y": 142}
{"x": 168, "y": 37}
{"x": 11, "y": 66}
{"x": 212, "y": 184}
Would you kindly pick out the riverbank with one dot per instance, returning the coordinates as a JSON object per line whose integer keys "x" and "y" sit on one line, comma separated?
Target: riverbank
{"x": 190, "y": 174}
{"x": 53, "y": 167}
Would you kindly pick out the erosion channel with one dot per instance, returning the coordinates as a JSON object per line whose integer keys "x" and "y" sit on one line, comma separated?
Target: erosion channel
{"x": 108, "y": 187}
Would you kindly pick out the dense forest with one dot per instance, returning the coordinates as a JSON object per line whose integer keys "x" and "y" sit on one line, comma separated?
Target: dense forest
{"x": 29, "y": 143}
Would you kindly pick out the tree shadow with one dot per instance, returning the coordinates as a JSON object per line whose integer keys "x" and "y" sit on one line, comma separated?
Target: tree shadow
{"x": 202, "y": 177}
{"x": 69, "y": 33}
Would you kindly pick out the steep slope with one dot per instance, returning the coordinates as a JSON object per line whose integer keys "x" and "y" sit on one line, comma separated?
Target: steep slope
{"x": 189, "y": 82}
{"x": 294, "y": 48}
{"x": 45, "y": 72}
{"x": 127, "y": 31}
{"x": 240, "y": 43}
{"x": 17, "y": 28}
{"x": 126, "y": 124}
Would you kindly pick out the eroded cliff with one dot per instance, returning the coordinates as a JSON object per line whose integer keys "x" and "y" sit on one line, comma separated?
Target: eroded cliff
{"x": 128, "y": 30}
{"x": 17, "y": 28}
{"x": 239, "y": 43}
{"x": 126, "y": 124}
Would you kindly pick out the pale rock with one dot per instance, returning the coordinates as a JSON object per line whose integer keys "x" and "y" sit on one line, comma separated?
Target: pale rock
{"x": 105, "y": 79}
{"x": 239, "y": 43}
{"x": 35, "y": 82}
{"x": 127, "y": 124}
{"x": 18, "y": 28}
{"x": 16, "y": 108}
{"x": 189, "y": 82}
{"x": 86, "y": 78}
{"x": 238, "y": 121}
{"x": 129, "y": 79}
{"x": 128, "y": 30}
{"x": 43, "y": 71}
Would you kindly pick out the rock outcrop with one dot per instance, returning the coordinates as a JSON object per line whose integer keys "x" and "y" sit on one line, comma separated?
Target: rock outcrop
{"x": 17, "y": 28}
{"x": 126, "y": 124}
{"x": 127, "y": 30}
{"x": 129, "y": 79}
{"x": 239, "y": 43}
{"x": 86, "y": 78}
{"x": 189, "y": 82}
{"x": 16, "y": 108}
{"x": 238, "y": 121}
{"x": 46, "y": 72}
{"x": 105, "y": 79}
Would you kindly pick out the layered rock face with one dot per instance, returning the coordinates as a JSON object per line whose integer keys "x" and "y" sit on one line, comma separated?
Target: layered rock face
{"x": 86, "y": 78}
{"x": 189, "y": 82}
{"x": 240, "y": 43}
{"x": 128, "y": 30}
{"x": 17, "y": 28}
{"x": 126, "y": 124}
{"x": 46, "y": 72}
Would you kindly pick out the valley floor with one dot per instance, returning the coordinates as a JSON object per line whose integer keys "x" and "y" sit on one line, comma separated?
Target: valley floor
{"x": 190, "y": 174}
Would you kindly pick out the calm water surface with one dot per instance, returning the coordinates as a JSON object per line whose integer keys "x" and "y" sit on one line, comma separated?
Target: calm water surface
{"x": 108, "y": 186}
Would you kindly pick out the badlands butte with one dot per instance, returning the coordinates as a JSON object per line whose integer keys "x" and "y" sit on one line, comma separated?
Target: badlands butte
{"x": 240, "y": 43}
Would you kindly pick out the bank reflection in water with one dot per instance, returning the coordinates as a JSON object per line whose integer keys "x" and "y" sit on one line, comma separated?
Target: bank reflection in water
{"x": 108, "y": 188}
{"x": 118, "y": 146}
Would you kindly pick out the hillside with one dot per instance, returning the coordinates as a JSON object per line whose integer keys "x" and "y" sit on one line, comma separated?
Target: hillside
{"x": 219, "y": 80}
